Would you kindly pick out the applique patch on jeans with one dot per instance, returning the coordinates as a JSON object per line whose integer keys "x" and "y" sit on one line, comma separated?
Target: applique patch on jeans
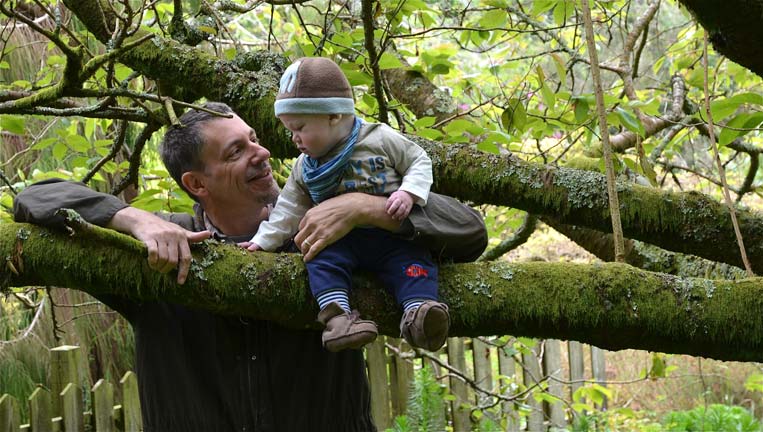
{"x": 416, "y": 270}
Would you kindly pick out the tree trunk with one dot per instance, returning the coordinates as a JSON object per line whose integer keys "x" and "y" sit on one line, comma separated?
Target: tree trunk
{"x": 613, "y": 306}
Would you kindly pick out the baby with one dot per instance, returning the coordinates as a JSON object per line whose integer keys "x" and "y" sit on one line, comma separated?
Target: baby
{"x": 342, "y": 153}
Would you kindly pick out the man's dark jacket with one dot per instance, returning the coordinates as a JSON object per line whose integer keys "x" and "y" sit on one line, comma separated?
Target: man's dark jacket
{"x": 203, "y": 372}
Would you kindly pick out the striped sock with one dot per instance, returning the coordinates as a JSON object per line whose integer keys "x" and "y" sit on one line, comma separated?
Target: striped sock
{"x": 412, "y": 304}
{"x": 339, "y": 296}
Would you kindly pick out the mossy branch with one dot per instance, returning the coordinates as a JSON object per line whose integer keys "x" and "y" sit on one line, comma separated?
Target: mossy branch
{"x": 613, "y": 306}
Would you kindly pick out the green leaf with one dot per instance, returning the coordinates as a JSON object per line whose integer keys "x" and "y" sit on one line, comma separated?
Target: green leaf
{"x": 488, "y": 147}
{"x": 4, "y": 65}
{"x": 78, "y": 143}
{"x": 514, "y": 116}
{"x": 743, "y": 122}
{"x": 548, "y": 96}
{"x": 424, "y": 122}
{"x": 561, "y": 70}
{"x": 90, "y": 127}
{"x": 432, "y": 134}
{"x": 440, "y": 69}
{"x": 561, "y": 13}
{"x": 581, "y": 110}
{"x": 541, "y": 6}
{"x": 44, "y": 143}
{"x": 658, "y": 366}
{"x": 389, "y": 61}
{"x": 208, "y": 29}
{"x": 456, "y": 127}
{"x": 493, "y": 19}
{"x": 12, "y": 123}
{"x": 754, "y": 382}
{"x": 121, "y": 72}
{"x": 630, "y": 121}
{"x": 723, "y": 108}
{"x": 631, "y": 164}
{"x": 342, "y": 39}
{"x": 59, "y": 151}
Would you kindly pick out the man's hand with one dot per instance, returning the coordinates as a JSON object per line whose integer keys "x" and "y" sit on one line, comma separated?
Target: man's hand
{"x": 168, "y": 244}
{"x": 332, "y": 219}
{"x": 399, "y": 205}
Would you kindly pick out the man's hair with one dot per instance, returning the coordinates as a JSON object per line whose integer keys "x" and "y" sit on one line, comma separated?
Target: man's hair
{"x": 182, "y": 145}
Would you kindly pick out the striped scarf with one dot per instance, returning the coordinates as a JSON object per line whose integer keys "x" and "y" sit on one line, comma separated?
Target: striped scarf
{"x": 323, "y": 180}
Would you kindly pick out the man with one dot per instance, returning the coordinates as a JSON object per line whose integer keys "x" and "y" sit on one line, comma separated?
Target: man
{"x": 203, "y": 372}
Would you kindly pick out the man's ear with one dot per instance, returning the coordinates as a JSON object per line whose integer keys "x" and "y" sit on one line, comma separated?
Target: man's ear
{"x": 194, "y": 183}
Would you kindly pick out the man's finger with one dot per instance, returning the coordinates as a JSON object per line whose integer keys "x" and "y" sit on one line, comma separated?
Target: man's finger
{"x": 195, "y": 237}
{"x": 170, "y": 254}
{"x": 153, "y": 253}
{"x": 314, "y": 249}
{"x": 184, "y": 263}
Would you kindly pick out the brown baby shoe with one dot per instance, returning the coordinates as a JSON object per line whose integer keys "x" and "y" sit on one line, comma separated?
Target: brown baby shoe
{"x": 426, "y": 326}
{"x": 345, "y": 330}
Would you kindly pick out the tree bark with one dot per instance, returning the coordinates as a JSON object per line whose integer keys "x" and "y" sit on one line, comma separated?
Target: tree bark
{"x": 733, "y": 26}
{"x": 646, "y": 256}
{"x": 612, "y": 306}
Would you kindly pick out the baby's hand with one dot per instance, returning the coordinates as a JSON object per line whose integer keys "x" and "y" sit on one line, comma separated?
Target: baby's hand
{"x": 251, "y": 247}
{"x": 399, "y": 205}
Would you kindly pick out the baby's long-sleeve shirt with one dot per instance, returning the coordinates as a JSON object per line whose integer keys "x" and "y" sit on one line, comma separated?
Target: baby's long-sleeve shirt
{"x": 382, "y": 162}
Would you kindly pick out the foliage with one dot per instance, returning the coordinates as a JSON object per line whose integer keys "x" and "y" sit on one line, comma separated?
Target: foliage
{"x": 425, "y": 404}
{"x": 716, "y": 417}
{"x": 615, "y": 420}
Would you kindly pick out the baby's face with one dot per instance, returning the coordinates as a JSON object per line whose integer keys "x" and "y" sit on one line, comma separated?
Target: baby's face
{"x": 313, "y": 134}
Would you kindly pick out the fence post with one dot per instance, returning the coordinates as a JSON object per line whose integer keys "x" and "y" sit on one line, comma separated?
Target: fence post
{"x": 402, "y": 380}
{"x": 599, "y": 368}
{"x": 131, "y": 414}
{"x": 39, "y": 411}
{"x": 483, "y": 370}
{"x": 456, "y": 357}
{"x": 532, "y": 376}
{"x": 71, "y": 404}
{"x": 10, "y": 416}
{"x": 377, "y": 379}
{"x": 508, "y": 368}
{"x": 63, "y": 370}
{"x": 577, "y": 365}
{"x": 103, "y": 405}
{"x": 552, "y": 361}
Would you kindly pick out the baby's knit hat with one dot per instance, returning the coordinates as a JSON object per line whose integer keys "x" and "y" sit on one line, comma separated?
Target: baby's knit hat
{"x": 314, "y": 85}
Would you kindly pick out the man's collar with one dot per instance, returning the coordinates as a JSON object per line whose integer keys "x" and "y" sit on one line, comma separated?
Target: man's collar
{"x": 203, "y": 220}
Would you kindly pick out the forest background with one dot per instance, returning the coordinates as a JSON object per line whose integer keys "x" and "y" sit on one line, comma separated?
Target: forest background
{"x": 501, "y": 94}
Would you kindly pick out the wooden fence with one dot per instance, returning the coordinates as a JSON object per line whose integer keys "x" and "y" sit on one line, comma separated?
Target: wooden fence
{"x": 390, "y": 372}
{"x": 61, "y": 408}
{"x": 489, "y": 367}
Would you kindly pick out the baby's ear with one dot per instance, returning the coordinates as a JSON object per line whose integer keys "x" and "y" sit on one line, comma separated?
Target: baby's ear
{"x": 335, "y": 119}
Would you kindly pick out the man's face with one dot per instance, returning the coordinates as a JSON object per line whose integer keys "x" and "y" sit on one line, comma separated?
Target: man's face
{"x": 236, "y": 169}
{"x": 313, "y": 134}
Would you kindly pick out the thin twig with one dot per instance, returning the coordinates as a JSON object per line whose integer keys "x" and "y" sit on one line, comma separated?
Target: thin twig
{"x": 29, "y": 329}
{"x": 721, "y": 171}
{"x": 614, "y": 205}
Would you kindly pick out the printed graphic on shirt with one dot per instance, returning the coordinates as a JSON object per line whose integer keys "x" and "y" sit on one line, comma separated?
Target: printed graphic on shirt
{"x": 416, "y": 270}
{"x": 368, "y": 175}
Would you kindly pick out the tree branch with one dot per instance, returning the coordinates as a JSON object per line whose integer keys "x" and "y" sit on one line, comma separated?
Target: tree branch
{"x": 612, "y": 306}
